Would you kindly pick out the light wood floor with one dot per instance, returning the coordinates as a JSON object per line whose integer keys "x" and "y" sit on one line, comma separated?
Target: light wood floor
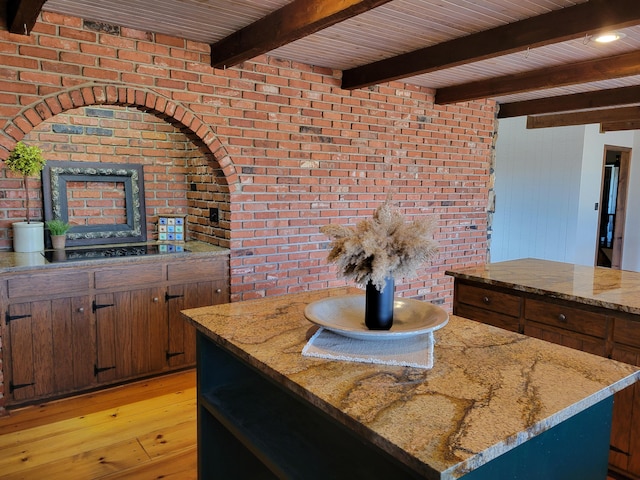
{"x": 145, "y": 430}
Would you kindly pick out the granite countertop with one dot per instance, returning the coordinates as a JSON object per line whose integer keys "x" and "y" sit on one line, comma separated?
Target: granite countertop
{"x": 489, "y": 389}
{"x": 12, "y": 262}
{"x": 597, "y": 286}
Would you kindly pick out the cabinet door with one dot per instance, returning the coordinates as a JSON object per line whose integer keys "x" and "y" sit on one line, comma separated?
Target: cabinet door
{"x": 625, "y": 438}
{"x": 131, "y": 334}
{"x": 182, "y": 337}
{"x": 51, "y": 348}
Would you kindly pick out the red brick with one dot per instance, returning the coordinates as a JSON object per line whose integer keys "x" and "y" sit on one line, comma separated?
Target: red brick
{"x": 119, "y": 42}
{"x": 58, "y": 43}
{"x": 62, "y": 68}
{"x": 169, "y": 40}
{"x": 74, "y": 33}
{"x": 116, "y": 65}
{"x": 78, "y": 58}
{"x": 38, "y": 52}
{"x": 134, "y": 79}
{"x": 99, "y": 51}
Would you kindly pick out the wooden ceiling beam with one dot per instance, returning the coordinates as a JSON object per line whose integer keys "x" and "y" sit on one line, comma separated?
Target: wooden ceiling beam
{"x": 577, "y": 101}
{"x": 291, "y": 22}
{"x": 607, "y": 115}
{"x": 581, "y": 72}
{"x": 22, "y": 15}
{"x": 556, "y": 26}
{"x": 619, "y": 126}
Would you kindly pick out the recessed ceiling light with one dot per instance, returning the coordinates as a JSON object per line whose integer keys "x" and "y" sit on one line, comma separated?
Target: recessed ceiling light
{"x": 608, "y": 37}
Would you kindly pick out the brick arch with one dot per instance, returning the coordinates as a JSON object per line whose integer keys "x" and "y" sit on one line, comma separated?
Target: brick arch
{"x": 147, "y": 100}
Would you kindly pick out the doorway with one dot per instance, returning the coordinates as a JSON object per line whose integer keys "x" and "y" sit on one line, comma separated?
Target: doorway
{"x": 612, "y": 206}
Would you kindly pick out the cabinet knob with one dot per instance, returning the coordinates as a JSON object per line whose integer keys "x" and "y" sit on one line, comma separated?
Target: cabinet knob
{"x": 155, "y": 300}
{"x": 486, "y": 300}
{"x": 218, "y": 290}
{"x": 562, "y": 318}
{"x": 81, "y": 310}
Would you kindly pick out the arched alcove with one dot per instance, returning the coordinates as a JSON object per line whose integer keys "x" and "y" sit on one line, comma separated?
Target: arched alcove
{"x": 99, "y": 123}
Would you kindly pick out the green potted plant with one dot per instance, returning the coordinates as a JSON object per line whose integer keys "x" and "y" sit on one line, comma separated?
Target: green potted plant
{"x": 58, "y": 229}
{"x": 28, "y": 161}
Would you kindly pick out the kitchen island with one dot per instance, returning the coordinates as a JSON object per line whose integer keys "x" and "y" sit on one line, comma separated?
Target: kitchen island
{"x": 496, "y": 404}
{"x": 593, "y": 309}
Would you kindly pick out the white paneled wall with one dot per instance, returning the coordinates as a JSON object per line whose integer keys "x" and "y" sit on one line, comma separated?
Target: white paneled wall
{"x": 547, "y": 182}
{"x": 537, "y": 186}
{"x": 631, "y": 256}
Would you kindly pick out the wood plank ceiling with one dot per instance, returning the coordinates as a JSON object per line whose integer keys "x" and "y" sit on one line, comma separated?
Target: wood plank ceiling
{"x": 534, "y": 57}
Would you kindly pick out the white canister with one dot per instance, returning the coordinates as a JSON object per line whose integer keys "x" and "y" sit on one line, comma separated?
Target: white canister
{"x": 28, "y": 237}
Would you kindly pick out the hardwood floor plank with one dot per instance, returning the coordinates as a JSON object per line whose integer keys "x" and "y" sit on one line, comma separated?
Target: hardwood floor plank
{"x": 177, "y": 466}
{"x": 90, "y": 464}
{"x": 147, "y": 429}
{"x": 88, "y": 436}
{"x": 121, "y": 418}
{"x": 32, "y": 416}
{"x": 169, "y": 439}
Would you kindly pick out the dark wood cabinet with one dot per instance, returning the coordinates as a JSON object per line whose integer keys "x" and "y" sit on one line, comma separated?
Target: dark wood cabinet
{"x": 49, "y": 347}
{"x": 592, "y": 329}
{"x": 132, "y": 333}
{"x": 69, "y": 330}
{"x": 182, "y": 336}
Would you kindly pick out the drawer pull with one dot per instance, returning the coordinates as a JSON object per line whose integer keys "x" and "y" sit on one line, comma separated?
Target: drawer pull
{"x": 486, "y": 300}
{"x": 81, "y": 310}
{"x": 156, "y": 299}
{"x": 562, "y": 318}
{"x": 218, "y": 290}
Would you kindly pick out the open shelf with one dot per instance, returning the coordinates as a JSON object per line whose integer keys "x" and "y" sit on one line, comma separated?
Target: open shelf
{"x": 262, "y": 431}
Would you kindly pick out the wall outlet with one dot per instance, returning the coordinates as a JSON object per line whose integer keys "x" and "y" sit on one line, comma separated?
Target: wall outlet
{"x": 214, "y": 215}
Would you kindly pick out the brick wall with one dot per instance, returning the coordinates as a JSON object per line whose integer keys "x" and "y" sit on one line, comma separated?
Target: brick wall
{"x": 276, "y": 144}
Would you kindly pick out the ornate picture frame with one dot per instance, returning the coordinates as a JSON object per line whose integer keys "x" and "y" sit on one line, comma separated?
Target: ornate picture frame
{"x": 55, "y": 177}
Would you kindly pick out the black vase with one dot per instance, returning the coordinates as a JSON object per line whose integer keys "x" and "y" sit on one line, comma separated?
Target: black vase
{"x": 378, "y": 307}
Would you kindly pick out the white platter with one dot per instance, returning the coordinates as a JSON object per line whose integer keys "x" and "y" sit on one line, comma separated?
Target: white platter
{"x": 345, "y": 315}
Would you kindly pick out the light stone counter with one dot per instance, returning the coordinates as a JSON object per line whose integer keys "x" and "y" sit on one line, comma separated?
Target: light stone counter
{"x": 597, "y": 286}
{"x": 489, "y": 391}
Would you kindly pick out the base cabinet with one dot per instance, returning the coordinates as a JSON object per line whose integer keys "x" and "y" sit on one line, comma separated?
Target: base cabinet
{"x": 131, "y": 332}
{"x": 71, "y": 330}
{"x": 591, "y": 329}
{"x": 182, "y": 335}
{"x": 49, "y": 345}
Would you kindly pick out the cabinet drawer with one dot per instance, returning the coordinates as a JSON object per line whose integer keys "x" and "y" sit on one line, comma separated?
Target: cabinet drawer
{"x": 48, "y": 284}
{"x": 506, "y": 322}
{"x": 131, "y": 275}
{"x": 567, "y": 318}
{"x": 488, "y": 299}
{"x": 209, "y": 269}
{"x": 627, "y": 332}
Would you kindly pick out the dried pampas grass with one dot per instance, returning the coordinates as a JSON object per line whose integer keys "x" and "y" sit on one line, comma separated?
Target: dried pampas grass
{"x": 383, "y": 246}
